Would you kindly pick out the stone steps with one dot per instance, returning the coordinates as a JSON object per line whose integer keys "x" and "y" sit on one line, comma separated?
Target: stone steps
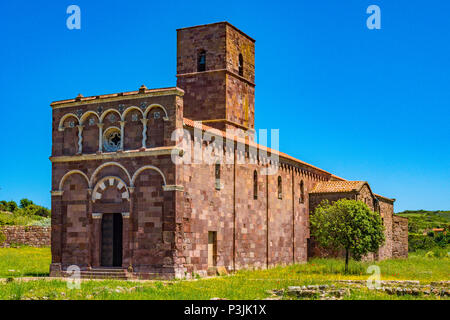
{"x": 105, "y": 273}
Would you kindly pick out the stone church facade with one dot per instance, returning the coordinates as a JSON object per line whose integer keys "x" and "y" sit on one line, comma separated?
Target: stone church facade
{"x": 120, "y": 200}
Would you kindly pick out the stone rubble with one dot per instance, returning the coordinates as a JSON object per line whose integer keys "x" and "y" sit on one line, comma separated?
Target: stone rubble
{"x": 391, "y": 287}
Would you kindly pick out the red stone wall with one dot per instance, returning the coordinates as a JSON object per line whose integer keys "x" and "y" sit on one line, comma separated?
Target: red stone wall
{"x": 366, "y": 196}
{"x": 386, "y": 211}
{"x": 34, "y": 236}
{"x": 251, "y": 233}
{"x": 75, "y": 222}
{"x": 399, "y": 237}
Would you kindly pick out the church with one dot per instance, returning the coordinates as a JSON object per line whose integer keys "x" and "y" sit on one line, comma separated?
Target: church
{"x": 129, "y": 201}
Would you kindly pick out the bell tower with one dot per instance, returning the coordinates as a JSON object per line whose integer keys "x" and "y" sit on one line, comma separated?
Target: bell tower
{"x": 216, "y": 69}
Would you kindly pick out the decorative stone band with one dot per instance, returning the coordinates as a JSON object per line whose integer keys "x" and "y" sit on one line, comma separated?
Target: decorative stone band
{"x": 229, "y": 72}
{"x": 57, "y": 192}
{"x": 125, "y": 215}
{"x": 173, "y": 187}
{"x": 115, "y": 155}
{"x": 97, "y": 215}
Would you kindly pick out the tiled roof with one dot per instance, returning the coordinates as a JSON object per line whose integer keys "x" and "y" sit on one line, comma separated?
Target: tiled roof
{"x": 338, "y": 186}
{"x": 386, "y": 198}
{"x": 194, "y": 124}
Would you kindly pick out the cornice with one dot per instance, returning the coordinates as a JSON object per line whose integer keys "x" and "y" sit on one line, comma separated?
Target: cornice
{"x": 116, "y": 97}
{"x": 117, "y": 155}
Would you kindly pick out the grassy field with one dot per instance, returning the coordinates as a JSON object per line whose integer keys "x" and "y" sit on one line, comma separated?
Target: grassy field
{"x": 242, "y": 285}
{"x": 24, "y": 262}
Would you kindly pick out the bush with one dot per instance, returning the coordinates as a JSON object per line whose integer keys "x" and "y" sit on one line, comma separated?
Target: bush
{"x": 11, "y": 206}
{"x": 18, "y": 219}
{"x": 424, "y": 242}
{"x": 44, "y": 222}
{"x": 35, "y": 210}
{"x": 2, "y": 237}
{"x": 420, "y": 242}
{"x": 25, "y": 203}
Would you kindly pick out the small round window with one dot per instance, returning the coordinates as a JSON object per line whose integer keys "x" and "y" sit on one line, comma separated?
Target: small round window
{"x": 111, "y": 139}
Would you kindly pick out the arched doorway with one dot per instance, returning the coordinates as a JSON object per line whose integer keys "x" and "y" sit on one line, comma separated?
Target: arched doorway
{"x": 112, "y": 234}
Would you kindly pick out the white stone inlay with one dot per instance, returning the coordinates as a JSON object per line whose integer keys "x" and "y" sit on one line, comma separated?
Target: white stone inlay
{"x": 102, "y": 186}
{"x": 120, "y": 186}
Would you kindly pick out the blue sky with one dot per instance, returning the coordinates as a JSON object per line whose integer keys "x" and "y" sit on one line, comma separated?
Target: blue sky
{"x": 363, "y": 104}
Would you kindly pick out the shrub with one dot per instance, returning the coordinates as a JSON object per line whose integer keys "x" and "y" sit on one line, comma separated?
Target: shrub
{"x": 44, "y": 222}
{"x": 2, "y": 237}
{"x": 420, "y": 242}
{"x": 11, "y": 206}
{"x": 34, "y": 210}
{"x": 25, "y": 203}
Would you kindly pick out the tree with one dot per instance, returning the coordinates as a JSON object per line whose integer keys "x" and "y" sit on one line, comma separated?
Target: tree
{"x": 11, "y": 206}
{"x": 25, "y": 203}
{"x": 347, "y": 225}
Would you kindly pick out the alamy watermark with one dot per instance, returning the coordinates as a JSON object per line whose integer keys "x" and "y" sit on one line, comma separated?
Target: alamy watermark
{"x": 374, "y": 20}
{"x": 374, "y": 281}
{"x": 74, "y": 279}
{"x": 74, "y": 20}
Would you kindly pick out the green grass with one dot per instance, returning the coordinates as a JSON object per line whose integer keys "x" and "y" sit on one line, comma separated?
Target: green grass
{"x": 242, "y": 285}
{"x": 24, "y": 261}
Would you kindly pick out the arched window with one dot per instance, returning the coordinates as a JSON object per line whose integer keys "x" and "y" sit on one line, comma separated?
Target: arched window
{"x": 280, "y": 188}
{"x": 255, "y": 185}
{"x": 201, "y": 61}
{"x": 217, "y": 173}
{"x": 302, "y": 192}
{"x": 241, "y": 65}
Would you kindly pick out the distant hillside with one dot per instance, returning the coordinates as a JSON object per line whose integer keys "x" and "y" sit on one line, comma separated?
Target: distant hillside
{"x": 420, "y": 221}
{"x": 26, "y": 213}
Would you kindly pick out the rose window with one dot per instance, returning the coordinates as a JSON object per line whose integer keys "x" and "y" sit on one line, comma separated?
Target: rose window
{"x": 111, "y": 139}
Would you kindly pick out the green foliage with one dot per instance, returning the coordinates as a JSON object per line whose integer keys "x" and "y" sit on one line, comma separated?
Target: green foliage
{"x": 425, "y": 242}
{"x": 349, "y": 225}
{"x": 419, "y": 242}
{"x": 9, "y": 206}
{"x": 27, "y": 213}
{"x": 421, "y": 221}
{"x": 44, "y": 222}
{"x": 25, "y": 203}
{"x": 35, "y": 210}
{"x": 2, "y": 237}
{"x": 19, "y": 219}
{"x": 3, "y": 205}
